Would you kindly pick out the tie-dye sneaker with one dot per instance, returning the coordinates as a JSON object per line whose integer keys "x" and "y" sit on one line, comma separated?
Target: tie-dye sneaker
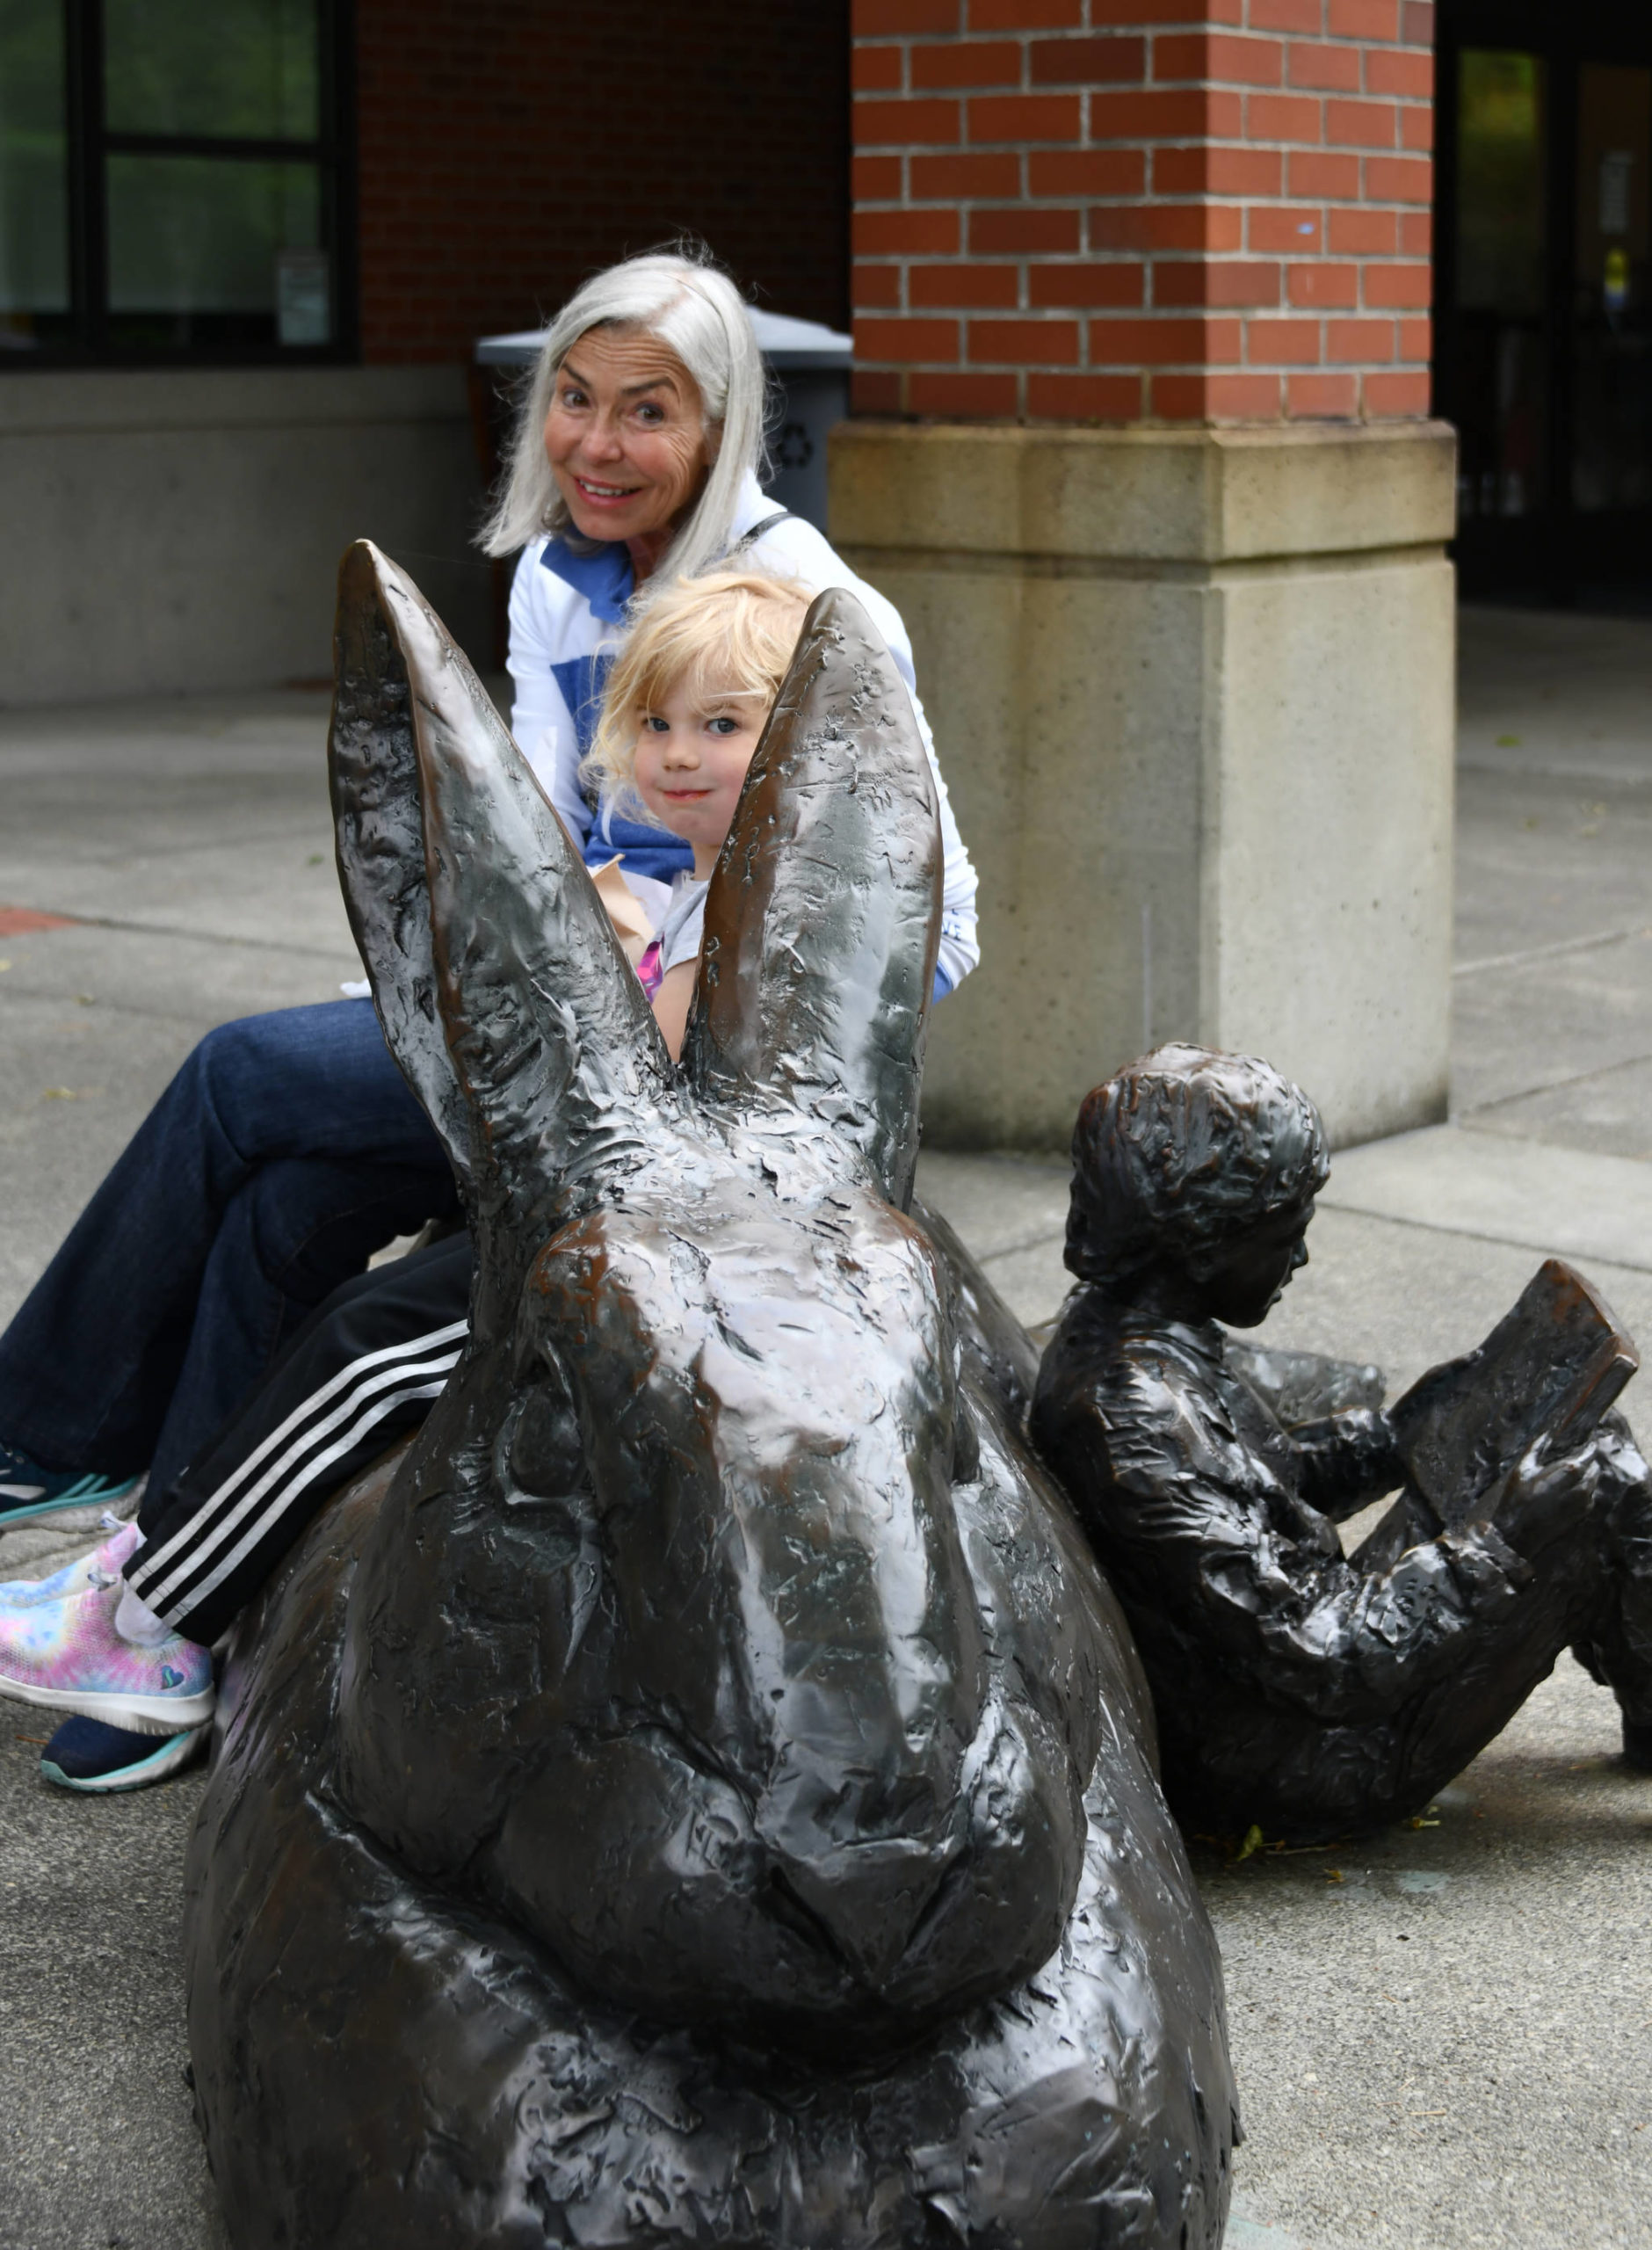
{"x": 67, "y": 1656}
{"x": 27, "y": 1489}
{"x": 99, "y": 1566}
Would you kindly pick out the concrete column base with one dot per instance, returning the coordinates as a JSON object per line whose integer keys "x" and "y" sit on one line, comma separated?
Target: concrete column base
{"x": 1193, "y": 696}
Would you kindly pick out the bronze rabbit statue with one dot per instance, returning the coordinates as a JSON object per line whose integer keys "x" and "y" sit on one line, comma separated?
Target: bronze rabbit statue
{"x": 704, "y": 1790}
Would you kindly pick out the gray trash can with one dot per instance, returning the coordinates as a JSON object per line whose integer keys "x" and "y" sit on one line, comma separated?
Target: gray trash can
{"x": 809, "y": 366}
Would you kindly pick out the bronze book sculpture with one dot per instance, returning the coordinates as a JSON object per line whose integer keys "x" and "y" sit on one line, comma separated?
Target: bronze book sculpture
{"x": 705, "y": 1790}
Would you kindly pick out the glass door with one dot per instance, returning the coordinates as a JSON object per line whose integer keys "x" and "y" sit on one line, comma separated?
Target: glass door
{"x": 1544, "y": 291}
{"x": 1502, "y": 283}
{"x": 1612, "y": 345}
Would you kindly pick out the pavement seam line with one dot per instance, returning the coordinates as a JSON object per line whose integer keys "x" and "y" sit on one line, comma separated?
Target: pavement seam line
{"x": 1030, "y": 1242}
{"x": 200, "y": 937}
{"x": 1470, "y": 1234}
{"x": 1553, "y": 1085}
{"x": 1557, "y": 951}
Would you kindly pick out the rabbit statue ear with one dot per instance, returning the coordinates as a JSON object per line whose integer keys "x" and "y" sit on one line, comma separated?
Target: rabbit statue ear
{"x": 502, "y": 989}
{"x": 824, "y": 916}
{"x": 374, "y": 766}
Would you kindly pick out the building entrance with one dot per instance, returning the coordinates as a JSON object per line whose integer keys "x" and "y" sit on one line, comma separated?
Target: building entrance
{"x": 1544, "y": 352}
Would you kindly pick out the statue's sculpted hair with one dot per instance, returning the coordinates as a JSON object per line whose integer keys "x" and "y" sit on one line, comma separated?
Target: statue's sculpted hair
{"x": 1185, "y": 1148}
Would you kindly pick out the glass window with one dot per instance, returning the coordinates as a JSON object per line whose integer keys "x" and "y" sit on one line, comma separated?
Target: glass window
{"x": 239, "y": 68}
{"x": 35, "y": 253}
{"x": 201, "y": 220}
{"x": 1502, "y": 280}
{"x": 195, "y": 244}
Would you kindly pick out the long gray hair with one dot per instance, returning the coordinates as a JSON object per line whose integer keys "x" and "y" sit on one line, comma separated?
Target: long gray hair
{"x": 694, "y": 307}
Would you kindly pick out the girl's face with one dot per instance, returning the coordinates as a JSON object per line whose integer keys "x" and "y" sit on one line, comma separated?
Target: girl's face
{"x": 693, "y": 748}
{"x": 626, "y": 437}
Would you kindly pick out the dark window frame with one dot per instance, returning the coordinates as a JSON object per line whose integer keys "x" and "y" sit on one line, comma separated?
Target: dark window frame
{"x": 89, "y": 144}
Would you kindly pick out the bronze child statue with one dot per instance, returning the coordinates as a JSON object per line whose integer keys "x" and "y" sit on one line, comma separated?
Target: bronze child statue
{"x": 704, "y": 1791}
{"x": 1294, "y": 1688}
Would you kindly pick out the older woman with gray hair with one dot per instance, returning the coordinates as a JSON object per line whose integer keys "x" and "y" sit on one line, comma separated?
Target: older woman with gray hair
{"x": 636, "y": 458}
{"x": 288, "y": 1148}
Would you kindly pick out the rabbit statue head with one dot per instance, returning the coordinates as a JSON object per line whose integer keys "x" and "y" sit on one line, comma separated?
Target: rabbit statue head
{"x": 670, "y": 1642}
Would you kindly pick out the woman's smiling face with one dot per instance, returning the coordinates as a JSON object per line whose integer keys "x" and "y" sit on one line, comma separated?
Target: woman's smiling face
{"x": 625, "y": 437}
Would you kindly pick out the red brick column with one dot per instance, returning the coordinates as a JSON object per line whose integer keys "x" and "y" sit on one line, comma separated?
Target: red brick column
{"x": 1128, "y": 210}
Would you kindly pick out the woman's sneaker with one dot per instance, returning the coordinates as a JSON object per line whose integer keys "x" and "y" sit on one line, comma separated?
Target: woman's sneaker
{"x": 100, "y": 1567}
{"x": 28, "y": 1490}
{"x": 67, "y": 1656}
{"x": 97, "y": 1759}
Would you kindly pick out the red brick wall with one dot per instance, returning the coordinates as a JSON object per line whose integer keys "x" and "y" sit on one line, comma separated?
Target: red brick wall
{"x": 508, "y": 148}
{"x": 1176, "y": 210}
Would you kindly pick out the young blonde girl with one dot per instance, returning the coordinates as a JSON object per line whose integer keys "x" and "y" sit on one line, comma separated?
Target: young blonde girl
{"x": 684, "y": 705}
{"x": 121, "y": 1637}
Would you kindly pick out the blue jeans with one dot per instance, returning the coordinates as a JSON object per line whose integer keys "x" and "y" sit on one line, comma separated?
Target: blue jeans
{"x": 283, "y": 1153}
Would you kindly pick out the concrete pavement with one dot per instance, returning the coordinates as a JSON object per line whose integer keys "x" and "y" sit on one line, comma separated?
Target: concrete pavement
{"x": 194, "y": 837}
{"x": 1442, "y": 2035}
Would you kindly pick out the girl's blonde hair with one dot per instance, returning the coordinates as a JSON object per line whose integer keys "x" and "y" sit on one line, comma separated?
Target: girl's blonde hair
{"x": 733, "y": 632}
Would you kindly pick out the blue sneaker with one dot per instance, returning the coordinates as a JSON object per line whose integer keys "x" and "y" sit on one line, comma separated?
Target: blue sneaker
{"x": 28, "y": 1490}
{"x": 88, "y": 1755}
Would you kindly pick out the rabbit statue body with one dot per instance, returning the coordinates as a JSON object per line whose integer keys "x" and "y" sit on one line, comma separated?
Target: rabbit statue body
{"x": 705, "y": 1790}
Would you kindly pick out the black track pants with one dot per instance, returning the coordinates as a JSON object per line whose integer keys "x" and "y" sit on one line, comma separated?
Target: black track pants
{"x": 361, "y": 1372}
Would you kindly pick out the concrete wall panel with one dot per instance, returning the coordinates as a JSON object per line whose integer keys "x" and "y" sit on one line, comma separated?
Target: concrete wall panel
{"x": 172, "y": 535}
